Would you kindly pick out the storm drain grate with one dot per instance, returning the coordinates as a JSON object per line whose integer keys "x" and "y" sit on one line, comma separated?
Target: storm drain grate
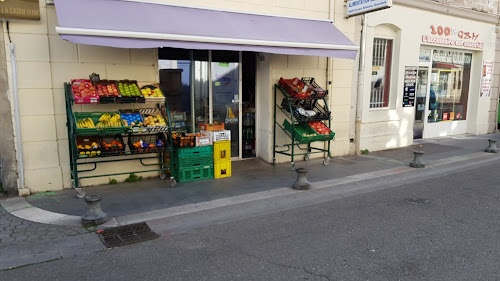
{"x": 127, "y": 234}
{"x": 417, "y": 201}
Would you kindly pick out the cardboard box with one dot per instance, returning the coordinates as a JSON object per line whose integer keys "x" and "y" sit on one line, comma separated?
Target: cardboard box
{"x": 222, "y": 135}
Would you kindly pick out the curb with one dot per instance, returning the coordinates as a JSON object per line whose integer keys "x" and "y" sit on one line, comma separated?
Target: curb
{"x": 21, "y": 208}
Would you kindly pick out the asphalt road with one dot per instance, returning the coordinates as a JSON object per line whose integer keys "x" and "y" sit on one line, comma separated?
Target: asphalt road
{"x": 444, "y": 228}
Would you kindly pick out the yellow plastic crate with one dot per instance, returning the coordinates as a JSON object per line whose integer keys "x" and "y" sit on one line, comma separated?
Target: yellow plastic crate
{"x": 222, "y": 151}
{"x": 222, "y": 169}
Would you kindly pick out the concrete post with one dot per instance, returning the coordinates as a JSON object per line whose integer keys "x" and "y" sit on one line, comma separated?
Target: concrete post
{"x": 301, "y": 183}
{"x": 417, "y": 159}
{"x": 94, "y": 214}
{"x": 492, "y": 146}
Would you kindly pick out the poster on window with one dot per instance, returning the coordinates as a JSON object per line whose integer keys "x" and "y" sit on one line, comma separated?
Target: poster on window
{"x": 409, "y": 87}
{"x": 486, "y": 78}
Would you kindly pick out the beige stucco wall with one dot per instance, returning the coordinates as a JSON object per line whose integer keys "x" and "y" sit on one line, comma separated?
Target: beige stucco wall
{"x": 393, "y": 127}
{"x": 45, "y": 62}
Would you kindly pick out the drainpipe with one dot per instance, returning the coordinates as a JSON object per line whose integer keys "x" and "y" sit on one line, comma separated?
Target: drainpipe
{"x": 359, "y": 96}
{"x": 17, "y": 119}
{"x": 329, "y": 65}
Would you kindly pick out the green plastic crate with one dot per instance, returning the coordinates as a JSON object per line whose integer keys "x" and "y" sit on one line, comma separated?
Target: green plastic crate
{"x": 97, "y": 131}
{"x": 194, "y": 174}
{"x": 303, "y": 129}
{"x": 198, "y": 151}
{"x": 191, "y": 162}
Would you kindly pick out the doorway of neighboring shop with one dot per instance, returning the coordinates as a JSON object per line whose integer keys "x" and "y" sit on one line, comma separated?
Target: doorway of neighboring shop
{"x": 204, "y": 86}
{"x": 443, "y": 82}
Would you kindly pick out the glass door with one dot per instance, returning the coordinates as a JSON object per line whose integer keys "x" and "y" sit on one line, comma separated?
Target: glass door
{"x": 225, "y": 70}
{"x": 422, "y": 88}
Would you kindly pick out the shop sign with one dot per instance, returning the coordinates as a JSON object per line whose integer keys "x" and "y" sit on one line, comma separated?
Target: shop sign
{"x": 409, "y": 87}
{"x": 448, "y": 36}
{"x": 486, "y": 80}
{"x": 20, "y": 9}
{"x": 358, "y": 7}
{"x": 456, "y": 58}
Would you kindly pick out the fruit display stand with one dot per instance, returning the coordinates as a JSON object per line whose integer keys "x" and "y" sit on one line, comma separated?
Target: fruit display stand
{"x": 98, "y": 137}
{"x": 307, "y": 119}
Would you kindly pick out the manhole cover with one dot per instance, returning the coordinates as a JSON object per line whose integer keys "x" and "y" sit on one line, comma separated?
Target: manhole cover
{"x": 127, "y": 234}
{"x": 417, "y": 201}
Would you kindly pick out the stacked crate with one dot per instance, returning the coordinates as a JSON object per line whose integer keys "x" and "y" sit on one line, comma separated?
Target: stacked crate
{"x": 222, "y": 159}
{"x": 193, "y": 163}
{"x": 222, "y": 148}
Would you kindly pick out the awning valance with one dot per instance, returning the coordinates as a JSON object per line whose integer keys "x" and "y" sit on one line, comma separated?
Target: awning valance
{"x": 147, "y": 24}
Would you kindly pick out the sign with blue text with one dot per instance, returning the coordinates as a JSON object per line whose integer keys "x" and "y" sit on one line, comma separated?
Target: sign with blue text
{"x": 358, "y": 7}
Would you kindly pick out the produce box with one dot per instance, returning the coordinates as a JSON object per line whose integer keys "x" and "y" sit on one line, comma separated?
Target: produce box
{"x": 151, "y": 143}
{"x": 132, "y": 118}
{"x": 84, "y": 92}
{"x": 203, "y": 140}
{"x": 216, "y": 126}
{"x": 107, "y": 91}
{"x": 151, "y": 92}
{"x": 88, "y": 146}
{"x": 97, "y": 123}
{"x": 184, "y": 140}
{"x": 112, "y": 145}
{"x": 318, "y": 92}
{"x": 222, "y": 135}
{"x": 129, "y": 90}
{"x": 297, "y": 89}
{"x": 305, "y": 133}
{"x": 154, "y": 120}
{"x": 319, "y": 127}
{"x": 307, "y": 110}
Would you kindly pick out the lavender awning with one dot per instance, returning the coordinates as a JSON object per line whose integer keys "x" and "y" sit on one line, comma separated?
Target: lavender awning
{"x": 139, "y": 24}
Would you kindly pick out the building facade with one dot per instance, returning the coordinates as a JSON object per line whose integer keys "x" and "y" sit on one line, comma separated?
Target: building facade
{"x": 419, "y": 74}
{"x": 427, "y": 72}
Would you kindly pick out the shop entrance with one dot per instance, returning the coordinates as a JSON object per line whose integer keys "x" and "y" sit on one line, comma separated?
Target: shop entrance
{"x": 205, "y": 86}
{"x": 422, "y": 87}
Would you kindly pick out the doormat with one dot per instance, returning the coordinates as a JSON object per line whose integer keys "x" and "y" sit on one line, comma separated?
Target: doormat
{"x": 127, "y": 234}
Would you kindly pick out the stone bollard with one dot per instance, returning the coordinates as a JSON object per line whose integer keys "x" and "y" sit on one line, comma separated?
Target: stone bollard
{"x": 94, "y": 214}
{"x": 417, "y": 159}
{"x": 301, "y": 183}
{"x": 492, "y": 146}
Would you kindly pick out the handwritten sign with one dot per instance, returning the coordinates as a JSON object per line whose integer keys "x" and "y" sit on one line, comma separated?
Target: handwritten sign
{"x": 20, "y": 9}
{"x": 486, "y": 80}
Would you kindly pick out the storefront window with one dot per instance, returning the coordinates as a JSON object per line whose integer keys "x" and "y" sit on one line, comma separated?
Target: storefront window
{"x": 184, "y": 78}
{"x": 449, "y": 89}
{"x": 381, "y": 73}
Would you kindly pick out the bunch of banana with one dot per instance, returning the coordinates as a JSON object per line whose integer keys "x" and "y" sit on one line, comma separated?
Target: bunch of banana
{"x": 105, "y": 117}
{"x": 106, "y": 120}
{"x": 85, "y": 123}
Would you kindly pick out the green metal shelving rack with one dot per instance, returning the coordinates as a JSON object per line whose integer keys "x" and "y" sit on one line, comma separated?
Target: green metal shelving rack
{"x": 303, "y": 144}
{"x": 76, "y": 161}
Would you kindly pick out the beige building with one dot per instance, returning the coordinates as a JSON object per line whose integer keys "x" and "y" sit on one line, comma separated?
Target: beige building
{"x": 45, "y": 62}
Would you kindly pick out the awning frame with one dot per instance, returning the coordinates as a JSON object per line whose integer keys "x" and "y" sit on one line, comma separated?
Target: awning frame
{"x": 191, "y": 38}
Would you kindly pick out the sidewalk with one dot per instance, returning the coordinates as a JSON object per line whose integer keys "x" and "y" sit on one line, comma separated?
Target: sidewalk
{"x": 249, "y": 177}
{"x": 47, "y": 226}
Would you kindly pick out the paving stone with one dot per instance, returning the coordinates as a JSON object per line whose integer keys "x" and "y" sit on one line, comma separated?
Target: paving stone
{"x": 16, "y": 230}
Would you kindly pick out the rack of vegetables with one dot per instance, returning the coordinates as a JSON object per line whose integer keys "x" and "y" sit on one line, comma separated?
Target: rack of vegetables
{"x": 307, "y": 119}
{"x": 99, "y": 137}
